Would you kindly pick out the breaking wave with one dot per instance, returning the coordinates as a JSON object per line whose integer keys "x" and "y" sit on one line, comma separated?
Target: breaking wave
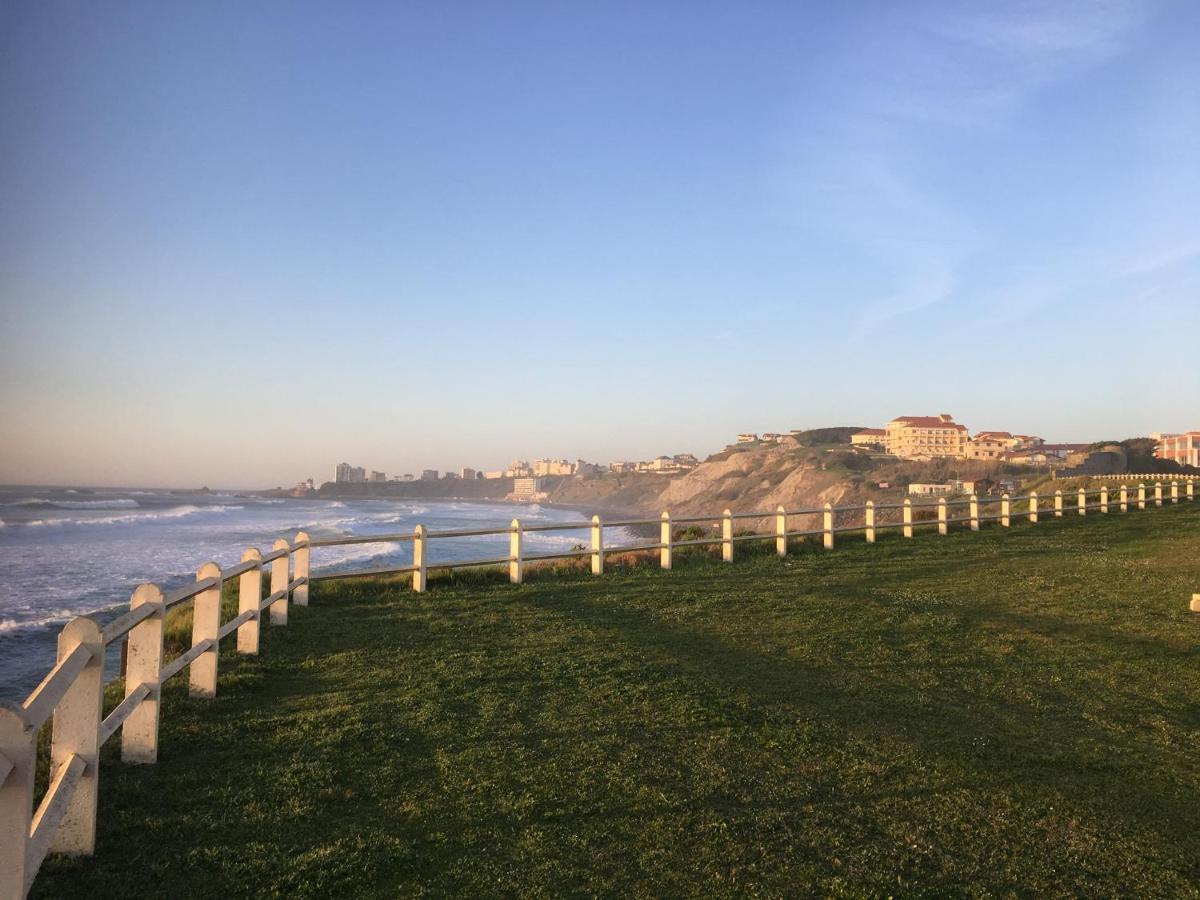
{"x": 176, "y": 512}
{"x": 39, "y": 503}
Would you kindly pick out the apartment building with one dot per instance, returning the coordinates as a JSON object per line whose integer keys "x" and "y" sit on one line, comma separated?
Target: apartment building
{"x": 544, "y": 467}
{"x": 344, "y": 473}
{"x": 1181, "y": 448}
{"x": 527, "y": 489}
{"x": 925, "y": 437}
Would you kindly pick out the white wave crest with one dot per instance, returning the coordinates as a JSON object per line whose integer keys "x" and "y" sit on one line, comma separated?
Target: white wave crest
{"x": 115, "y": 503}
{"x": 45, "y": 621}
{"x": 175, "y": 512}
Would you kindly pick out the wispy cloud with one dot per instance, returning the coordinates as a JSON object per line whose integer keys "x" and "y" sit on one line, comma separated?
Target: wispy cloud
{"x": 942, "y": 78}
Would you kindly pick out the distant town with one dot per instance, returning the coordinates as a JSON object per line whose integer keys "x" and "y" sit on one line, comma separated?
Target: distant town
{"x": 918, "y": 438}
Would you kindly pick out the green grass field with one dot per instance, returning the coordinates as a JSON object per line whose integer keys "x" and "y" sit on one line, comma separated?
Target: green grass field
{"x": 1012, "y": 712}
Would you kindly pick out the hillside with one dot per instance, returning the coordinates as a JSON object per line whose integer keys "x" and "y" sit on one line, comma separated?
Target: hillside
{"x": 761, "y": 477}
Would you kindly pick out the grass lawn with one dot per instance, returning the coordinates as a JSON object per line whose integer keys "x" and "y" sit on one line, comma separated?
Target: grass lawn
{"x": 1008, "y": 712}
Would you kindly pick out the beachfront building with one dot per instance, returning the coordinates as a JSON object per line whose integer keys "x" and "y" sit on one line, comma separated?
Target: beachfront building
{"x": 467, "y": 474}
{"x": 925, "y": 437}
{"x": 868, "y": 437}
{"x": 429, "y": 474}
{"x": 344, "y": 473}
{"x": 1181, "y": 448}
{"x": 375, "y": 477}
{"x": 527, "y": 490}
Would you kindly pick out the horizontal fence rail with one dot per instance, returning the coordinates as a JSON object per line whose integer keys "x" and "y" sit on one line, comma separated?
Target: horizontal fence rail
{"x": 71, "y": 695}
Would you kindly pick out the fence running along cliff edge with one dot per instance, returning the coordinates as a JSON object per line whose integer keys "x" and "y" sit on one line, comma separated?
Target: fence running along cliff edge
{"x": 71, "y": 696}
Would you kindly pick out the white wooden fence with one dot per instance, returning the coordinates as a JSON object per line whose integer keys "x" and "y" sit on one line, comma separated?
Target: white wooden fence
{"x": 71, "y": 696}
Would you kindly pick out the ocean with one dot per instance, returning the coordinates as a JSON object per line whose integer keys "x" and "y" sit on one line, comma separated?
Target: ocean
{"x": 69, "y": 551}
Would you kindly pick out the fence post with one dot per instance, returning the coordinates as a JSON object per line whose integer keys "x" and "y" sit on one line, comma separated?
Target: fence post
{"x": 76, "y": 730}
{"x": 1141, "y": 495}
{"x": 868, "y": 521}
{"x": 781, "y": 531}
{"x": 1005, "y": 509}
{"x": 664, "y": 538}
{"x": 1124, "y": 498}
{"x": 827, "y": 522}
{"x": 516, "y": 556}
{"x": 597, "y": 546}
{"x": 1033, "y": 507}
{"x": 974, "y": 508}
{"x": 300, "y": 568}
{"x": 1158, "y": 493}
{"x": 280, "y": 575}
{"x": 206, "y": 622}
{"x": 1082, "y": 502}
{"x": 1174, "y": 491}
{"x": 18, "y": 745}
{"x": 727, "y": 536}
{"x": 1191, "y": 495}
{"x": 1058, "y": 504}
{"x": 943, "y": 524}
{"x": 143, "y": 665}
{"x": 908, "y": 528}
{"x": 419, "y": 573}
{"x": 1104, "y": 498}
{"x": 249, "y": 596}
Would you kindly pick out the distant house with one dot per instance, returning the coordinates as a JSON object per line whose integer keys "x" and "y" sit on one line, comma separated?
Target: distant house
{"x": 429, "y": 474}
{"x": 994, "y": 444}
{"x": 747, "y": 438}
{"x": 622, "y": 466}
{"x": 1043, "y": 454}
{"x": 978, "y": 486}
{"x": 919, "y": 489}
{"x": 868, "y": 437}
{"x": 772, "y": 437}
{"x": 467, "y": 474}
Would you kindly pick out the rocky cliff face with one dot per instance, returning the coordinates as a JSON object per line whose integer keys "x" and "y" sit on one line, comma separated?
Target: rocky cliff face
{"x": 760, "y": 478}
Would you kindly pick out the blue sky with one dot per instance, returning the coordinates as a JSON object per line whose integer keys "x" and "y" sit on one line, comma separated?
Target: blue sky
{"x": 242, "y": 242}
